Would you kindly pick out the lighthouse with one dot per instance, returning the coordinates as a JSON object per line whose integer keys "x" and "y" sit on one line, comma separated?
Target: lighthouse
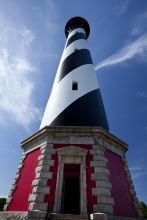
{"x": 75, "y": 98}
{"x": 73, "y": 167}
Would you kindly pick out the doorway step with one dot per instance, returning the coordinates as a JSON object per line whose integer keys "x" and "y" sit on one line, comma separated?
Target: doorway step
{"x": 68, "y": 217}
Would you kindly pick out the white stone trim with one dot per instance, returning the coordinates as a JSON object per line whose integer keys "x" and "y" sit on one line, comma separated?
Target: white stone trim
{"x": 104, "y": 208}
{"x": 101, "y": 191}
{"x": 83, "y": 186}
{"x": 44, "y": 168}
{"x": 96, "y": 163}
{"x": 13, "y": 187}
{"x": 101, "y": 176}
{"x": 98, "y": 216}
{"x": 5, "y": 206}
{"x": 14, "y": 184}
{"x": 98, "y": 147}
{"x": 36, "y": 198}
{"x": 9, "y": 199}
{"x": 103, "y": 183}
{"x": 46, "y": 162}
{"x": 101, "y": 170}
{"x": 99, "y": 158}
{"x": 48, "y": 145}
{"x": 99, "y": 152}
{"x": 73, "y": 140}
{"x": 114, "y": 149}
{"x": 44, "y": 175}
{"x": 40, "y": 184}
{"x": 36, "y": 144}
{"x": 17, "y": 176}
{"x": 59, "y": 183}
{"x": 44, "y": 156}
{"x": 47, "y": 151}
{"x": 41, "y": 189}
{"x": 105, "y": 200}
{"x": 42, "y": 206}
{"x": 99, "y": 141}
{"x": 36, "y": 215}
{"x": 132, "y": 189}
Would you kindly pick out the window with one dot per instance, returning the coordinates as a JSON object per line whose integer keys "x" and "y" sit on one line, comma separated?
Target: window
{"x": 74, "y": 85}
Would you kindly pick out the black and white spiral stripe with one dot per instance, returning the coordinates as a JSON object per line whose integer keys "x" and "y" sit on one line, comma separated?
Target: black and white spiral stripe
{"x": 81, "y": 107}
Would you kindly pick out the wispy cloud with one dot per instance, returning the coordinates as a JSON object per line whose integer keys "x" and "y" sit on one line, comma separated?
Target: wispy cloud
{"x": 142, "y": 94}
{"x": 121, "y": 6}
{"x": 135, "y": 168}
{"x": 137, "y": 48}
{"x": 16, "y": 85}
{"x": 139, "y": 24}
{"x": 138, "y": 172}
{"x": 14, "y": 152}
{"x": 145, "y": 129}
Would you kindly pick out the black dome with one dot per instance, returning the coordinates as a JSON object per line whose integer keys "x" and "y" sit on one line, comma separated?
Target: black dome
{"x": 77, "y": 22}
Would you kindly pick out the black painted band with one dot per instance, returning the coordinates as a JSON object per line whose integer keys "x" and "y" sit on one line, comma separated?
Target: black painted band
{"x": 75, "y": 37}
{"x": 88, "y": 110}
{"x": 74, "y": 60}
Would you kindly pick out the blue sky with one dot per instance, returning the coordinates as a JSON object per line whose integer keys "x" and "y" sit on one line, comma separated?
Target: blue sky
{"x": 31, "y": 43}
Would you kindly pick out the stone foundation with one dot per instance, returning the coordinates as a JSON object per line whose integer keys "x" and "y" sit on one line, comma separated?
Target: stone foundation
{"x": 38, "y": 215}
{"x": 85, "y": 146}
{"x": 13, "y": 215}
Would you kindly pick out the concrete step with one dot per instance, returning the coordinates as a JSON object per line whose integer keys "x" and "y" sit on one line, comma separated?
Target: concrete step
{"x": 55, "y": 216}
{"x": 123, "y": 218}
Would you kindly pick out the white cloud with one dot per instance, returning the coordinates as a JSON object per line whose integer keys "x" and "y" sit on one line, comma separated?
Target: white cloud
{"x": 137, "y": 48}
{"x": 145, "y": 129}
{"x": 137, "y": 172}
{"x": 121, "y": 6}
{"x": 142, "y": 94}
{"x": 16, "y": 85}
{"x": 140, "y": 24}
{"x": 136, "y": 175}
{"x": 135, "y": 168}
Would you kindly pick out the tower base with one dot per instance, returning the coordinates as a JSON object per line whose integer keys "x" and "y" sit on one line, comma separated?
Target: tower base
{"x": 73, "y": 170}
{"x": 38, "y": 215}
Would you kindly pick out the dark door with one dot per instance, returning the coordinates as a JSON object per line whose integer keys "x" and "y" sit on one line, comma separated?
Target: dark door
{"x": 71, "y": 189}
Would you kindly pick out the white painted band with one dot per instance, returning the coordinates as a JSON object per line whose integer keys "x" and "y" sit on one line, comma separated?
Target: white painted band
{"x": 62, "y": 94}
{"x": 79, "y": 44}
{"x": 79, "y": 30}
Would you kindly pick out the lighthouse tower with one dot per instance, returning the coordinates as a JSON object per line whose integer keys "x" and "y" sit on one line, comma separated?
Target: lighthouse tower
{"x": 75, "y": 99}
{"x": 73, "y": 166}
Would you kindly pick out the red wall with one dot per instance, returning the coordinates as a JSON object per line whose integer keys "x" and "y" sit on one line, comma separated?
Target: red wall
{"x": 120, "y": 186}
{"x": 24, "y": 183}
